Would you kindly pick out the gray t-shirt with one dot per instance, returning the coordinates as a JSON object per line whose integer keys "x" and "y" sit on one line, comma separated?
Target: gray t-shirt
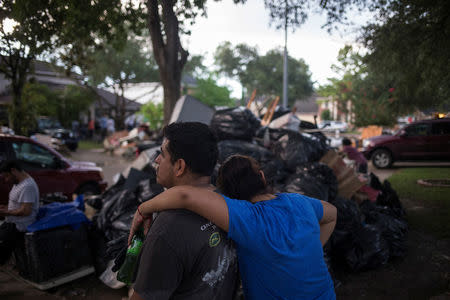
{"x": 25, "y": 191}
{"x": 185, "y": 256}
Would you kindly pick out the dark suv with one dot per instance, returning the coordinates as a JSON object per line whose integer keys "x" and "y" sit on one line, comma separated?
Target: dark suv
{"x": 52, "y": 172}
{"x": 421, "y": 140}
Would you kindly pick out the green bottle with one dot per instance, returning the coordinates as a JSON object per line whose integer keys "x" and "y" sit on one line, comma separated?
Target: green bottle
{"x": 126, "y": 271}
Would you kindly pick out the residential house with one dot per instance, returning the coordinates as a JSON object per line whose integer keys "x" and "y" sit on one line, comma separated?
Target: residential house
{"x": 55, "y": 79}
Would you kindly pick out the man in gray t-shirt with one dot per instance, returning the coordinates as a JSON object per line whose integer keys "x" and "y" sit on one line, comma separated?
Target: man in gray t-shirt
{"x": 185, "y": 256}
{"x": 23, "y": 206}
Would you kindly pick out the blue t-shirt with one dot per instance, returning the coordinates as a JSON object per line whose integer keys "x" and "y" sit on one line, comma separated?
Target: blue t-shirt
{"x": 279, "y": 250}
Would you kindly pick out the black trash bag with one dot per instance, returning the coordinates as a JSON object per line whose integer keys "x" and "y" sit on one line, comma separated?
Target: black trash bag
{"x": 295, "y": 148}
{"x": 369, "y": 249}
{"x": 235, "y": 123}
{"x": 324, "y": 175}
{"x": 274, "y": 171}
{"x": 124, "y": 201}
{"x": 231, "y": 147}
{"x": 307, "y": 185}
{"x": 123, "y": 222}
{"x": 97, "y": 243}
{"x": 349, "y": 220}
{"x": 279, "y": 111}
{"x": 117, "y": 250}
{"x": 114, "y": 189}
{"x": 315, "y": 180}
{"x": 114, "y": 247}
{"x": 135, "y": 176}
{"x": 394, "y": 229}
{"x": 389, "y": 198}
{"x": 95, "y": 201}
{"x": 147, "y": 189}
{"x": 374, "y": 182}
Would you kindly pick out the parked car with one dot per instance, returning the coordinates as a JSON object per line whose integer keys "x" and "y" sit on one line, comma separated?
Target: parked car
{"x": 53, "y": 128}
{"x": 421, "y": 140}
{"x": 333, "y": 126}
{"x": 52, "y": 172}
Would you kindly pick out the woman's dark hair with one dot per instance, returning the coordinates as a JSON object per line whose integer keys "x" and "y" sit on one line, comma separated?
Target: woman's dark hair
{"x": 240, "y": 178}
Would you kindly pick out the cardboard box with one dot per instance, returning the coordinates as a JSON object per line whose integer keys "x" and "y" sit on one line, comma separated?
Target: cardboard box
{"x": 348, "y": 180}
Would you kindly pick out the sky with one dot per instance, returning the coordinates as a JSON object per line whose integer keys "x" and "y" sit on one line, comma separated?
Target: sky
{"x": 249, "y": 23}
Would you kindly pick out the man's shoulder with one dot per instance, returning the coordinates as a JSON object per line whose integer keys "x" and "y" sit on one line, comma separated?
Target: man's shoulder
{"x": 179, "y": 220}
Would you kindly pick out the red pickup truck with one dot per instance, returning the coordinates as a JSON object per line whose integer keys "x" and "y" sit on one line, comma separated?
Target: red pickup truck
{"x": 51, "y": 171}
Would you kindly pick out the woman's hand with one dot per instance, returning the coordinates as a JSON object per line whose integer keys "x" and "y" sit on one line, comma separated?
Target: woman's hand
{"x": 138, "y": 222}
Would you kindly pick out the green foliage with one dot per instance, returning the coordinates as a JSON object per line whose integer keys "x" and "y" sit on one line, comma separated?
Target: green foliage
{"x": 326, "y": 115}
{"x": 64, "y": 105}
{"x": 264, "y": 73}
{"x": 154, "y": 114}
{"x": 129, "y": 64}
{"x": 212, "y": 94}
{"x": 89, "y": 145}
{"x": 74, "y": 100}
{"x": 194, "y": 66}
{"x": 42, "y": 26}
{"x": 410, "y": 49}
{"x": 26, "y": 111}
{"x": 373, "y": 100}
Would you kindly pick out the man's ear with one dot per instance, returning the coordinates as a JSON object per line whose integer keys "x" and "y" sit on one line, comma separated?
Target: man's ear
{"x": 180, "y": 167}
{"x": 263, "y": 177}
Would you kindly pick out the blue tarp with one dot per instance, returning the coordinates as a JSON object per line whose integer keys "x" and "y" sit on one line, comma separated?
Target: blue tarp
{"x": 58, "y": 214}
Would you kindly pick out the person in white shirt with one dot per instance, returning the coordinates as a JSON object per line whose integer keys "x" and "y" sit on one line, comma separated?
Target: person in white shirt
{"x": 22, "y": 208}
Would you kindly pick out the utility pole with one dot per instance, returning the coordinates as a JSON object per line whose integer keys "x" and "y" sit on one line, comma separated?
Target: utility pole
{"x": 285, "y": 62}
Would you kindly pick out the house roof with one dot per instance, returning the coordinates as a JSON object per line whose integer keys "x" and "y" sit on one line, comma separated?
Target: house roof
{"x": 308, "y": 105}
{"x": 143, "y": 92}
{"x": 109, "y": 99}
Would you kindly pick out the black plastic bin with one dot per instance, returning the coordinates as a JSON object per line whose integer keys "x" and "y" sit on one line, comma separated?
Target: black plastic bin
{"x": 51, "y": 253}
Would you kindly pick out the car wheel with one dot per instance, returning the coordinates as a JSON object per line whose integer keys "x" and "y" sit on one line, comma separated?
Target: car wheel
{"x": 89, "y": 189}
{"x": 382, "y": 159}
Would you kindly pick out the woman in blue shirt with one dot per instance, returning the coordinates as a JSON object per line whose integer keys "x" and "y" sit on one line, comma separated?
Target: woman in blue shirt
{"x": 279, "y": 237}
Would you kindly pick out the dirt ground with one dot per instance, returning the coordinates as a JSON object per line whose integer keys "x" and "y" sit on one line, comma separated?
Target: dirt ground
{"x": 423, "y": 274}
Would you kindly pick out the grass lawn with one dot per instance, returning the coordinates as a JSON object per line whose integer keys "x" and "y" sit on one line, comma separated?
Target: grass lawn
{"x": 428, "y": 208}
{"x": 87, "y": 145}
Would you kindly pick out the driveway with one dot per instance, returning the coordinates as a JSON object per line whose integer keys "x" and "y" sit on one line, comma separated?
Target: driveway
{"x": 111, "y": 164}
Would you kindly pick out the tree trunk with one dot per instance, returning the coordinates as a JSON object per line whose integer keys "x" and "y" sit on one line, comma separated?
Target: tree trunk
{"x": 171, "y": 95}
{"x": 169, "y": 54}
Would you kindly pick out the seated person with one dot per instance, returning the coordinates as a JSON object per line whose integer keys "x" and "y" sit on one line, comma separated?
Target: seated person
{"x": 353, "y": 154}
{"x": 23, "y": 206}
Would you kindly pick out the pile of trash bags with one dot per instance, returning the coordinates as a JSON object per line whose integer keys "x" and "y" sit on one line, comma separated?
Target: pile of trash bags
{"x": 115, "y": 211}
{"x": 366, "y": 236}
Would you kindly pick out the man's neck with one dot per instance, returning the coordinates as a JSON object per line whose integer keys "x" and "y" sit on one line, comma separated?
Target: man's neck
{"x": 198, "y": 181}
{"x": 22, "y": 176}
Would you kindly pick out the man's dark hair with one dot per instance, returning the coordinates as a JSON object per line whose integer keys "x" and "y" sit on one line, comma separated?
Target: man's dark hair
{"x": 346, "y": 142}
{"x": 239, "y": 178}
{"x": 195, "y": 143}
{"x": 8, "y": 165}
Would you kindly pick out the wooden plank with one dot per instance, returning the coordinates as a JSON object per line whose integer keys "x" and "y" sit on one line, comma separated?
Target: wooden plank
{"x": 251, "y": 98}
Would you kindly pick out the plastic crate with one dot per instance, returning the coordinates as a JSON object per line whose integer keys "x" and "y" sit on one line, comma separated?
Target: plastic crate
{"x": 51, "y": 253}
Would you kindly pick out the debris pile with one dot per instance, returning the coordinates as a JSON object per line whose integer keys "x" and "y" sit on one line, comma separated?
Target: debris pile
{"x": 371, "y": 226}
